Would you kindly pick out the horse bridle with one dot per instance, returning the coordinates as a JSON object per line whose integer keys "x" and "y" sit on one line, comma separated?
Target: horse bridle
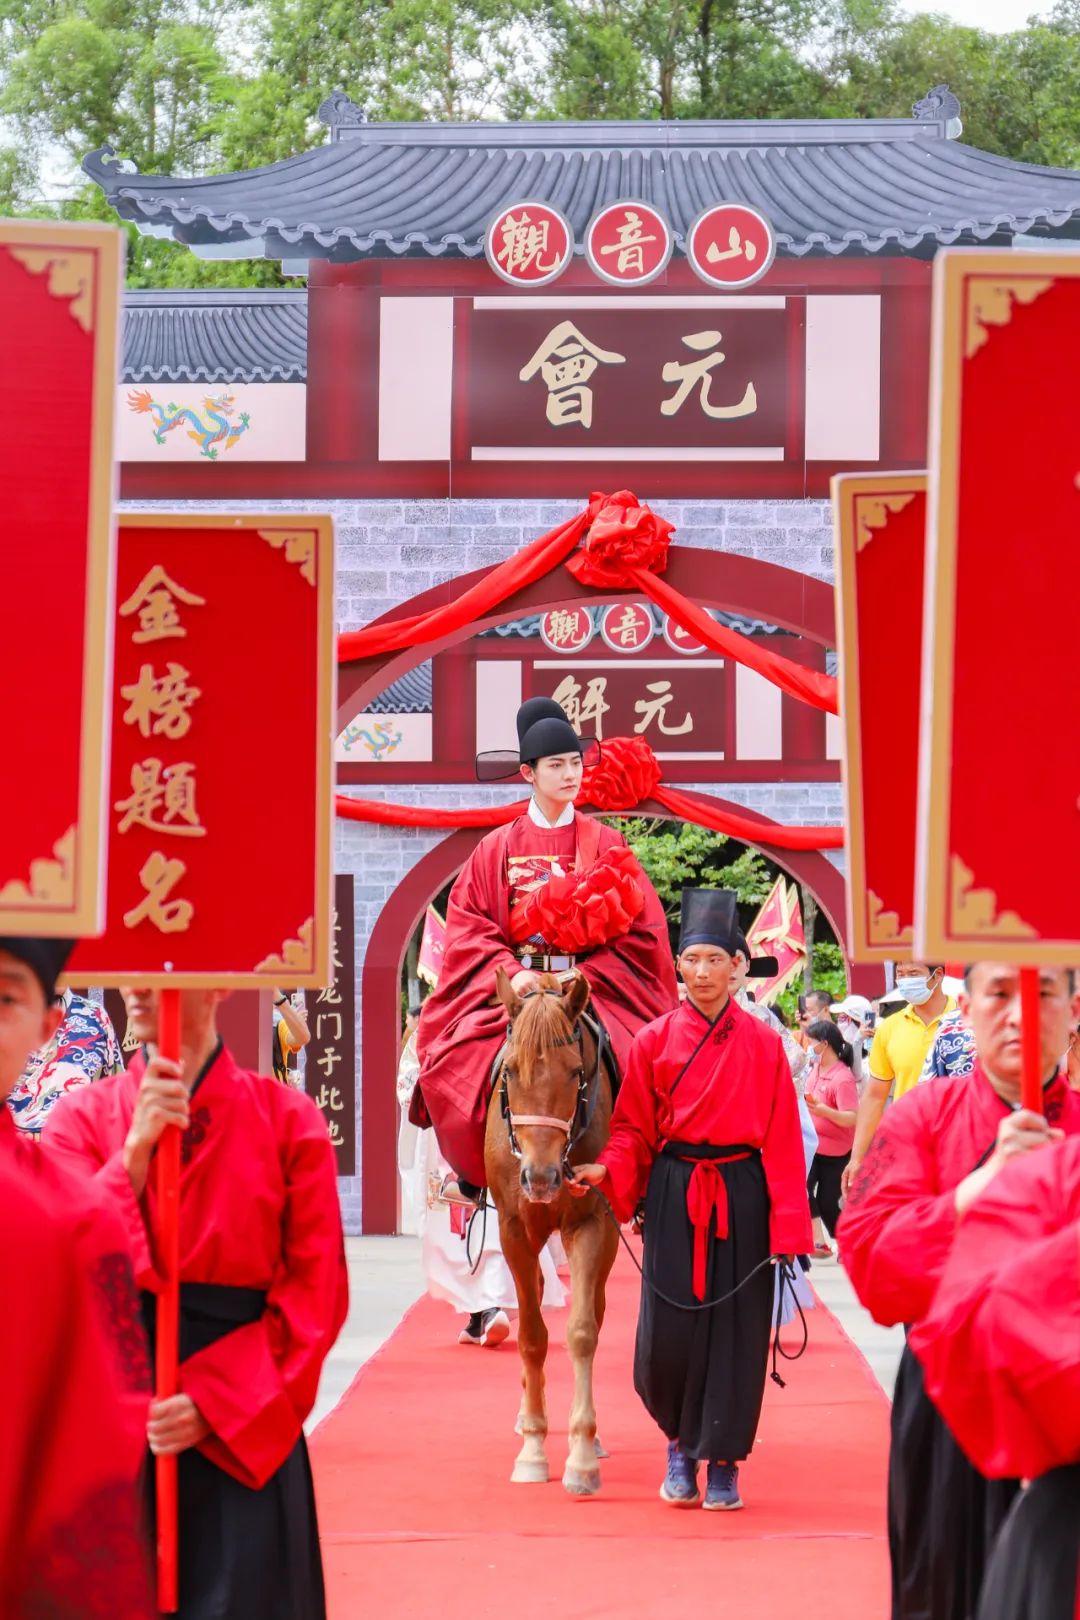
{"x": 576, "y": 1126}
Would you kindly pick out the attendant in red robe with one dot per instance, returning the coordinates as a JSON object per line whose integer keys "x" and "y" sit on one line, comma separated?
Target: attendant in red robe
{"x": 71, "y": 1545}
{"x": 492, "y": 921}
{"x": 707, "y": 1129}
{"x": 936, "y": 1147}
{"x": 263, "y": 1296}
{"x": 1000, "y": 1351}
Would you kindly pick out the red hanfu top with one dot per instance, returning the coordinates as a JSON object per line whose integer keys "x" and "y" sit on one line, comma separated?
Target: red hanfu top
{"x": 738, "y": 1089}
{"x": 899, "y": 1221}
{"x": 71, "y": 1545}
{"x": 1001, "y": 1346}
{"x": 463, "y": 1024}
{"x": 258, "y": 1209}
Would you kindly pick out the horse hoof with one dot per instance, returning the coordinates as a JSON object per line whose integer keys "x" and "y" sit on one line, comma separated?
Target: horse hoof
{"x": 600, "y": 1448}
{"x": 580, "y": 1483}
{"x": 529, "y": 1473}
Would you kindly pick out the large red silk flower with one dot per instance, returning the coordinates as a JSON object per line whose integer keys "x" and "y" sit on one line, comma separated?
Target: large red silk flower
{"x": 622, "y": 535}
{"x": 626, "y": 773}
{"x": 585, "y": 910}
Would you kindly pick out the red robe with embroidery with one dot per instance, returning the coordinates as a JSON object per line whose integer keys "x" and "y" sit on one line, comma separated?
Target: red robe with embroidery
{"x": 258, "y": 1209}
{"x": 97, "y": 1232}
{"x": 463, "y": 1025}
{"x": 1001, "y": 1346}
{"x": 899, "y": 1221}
{"x": 738, "y": 1089}
{"x": 71, "y": 1544}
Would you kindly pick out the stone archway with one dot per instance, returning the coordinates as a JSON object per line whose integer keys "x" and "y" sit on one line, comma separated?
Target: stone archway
{"x": 381, "y": 978}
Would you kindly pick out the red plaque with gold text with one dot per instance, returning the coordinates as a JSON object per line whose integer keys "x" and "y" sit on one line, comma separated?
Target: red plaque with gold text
{"x": 59, "y": 308}
{"x": 880, "y": 522}
{"x": 999, "y": 783}
{"x": 222, "y": 718}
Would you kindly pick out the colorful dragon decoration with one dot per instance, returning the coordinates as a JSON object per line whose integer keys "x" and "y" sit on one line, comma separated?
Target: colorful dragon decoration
{"x": 218, "y": 430}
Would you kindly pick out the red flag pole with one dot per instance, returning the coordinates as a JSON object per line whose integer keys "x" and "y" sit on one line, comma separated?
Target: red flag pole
{"x": 167, "y": 1170}
{"x": 1031, "y": 1094}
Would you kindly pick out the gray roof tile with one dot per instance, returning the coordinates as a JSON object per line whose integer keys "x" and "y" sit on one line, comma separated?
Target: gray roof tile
{"x": 828, "y": 185}
{"x": 226, "y": 336}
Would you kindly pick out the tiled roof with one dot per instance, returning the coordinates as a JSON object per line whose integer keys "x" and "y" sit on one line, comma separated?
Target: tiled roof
{"x": 228, "y": 336}
{"x": 411, "y": 694}
{"x": 383, "y": 190}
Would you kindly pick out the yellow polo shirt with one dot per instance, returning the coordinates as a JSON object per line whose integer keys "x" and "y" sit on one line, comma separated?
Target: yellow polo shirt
{"x": 900, "y": 1045}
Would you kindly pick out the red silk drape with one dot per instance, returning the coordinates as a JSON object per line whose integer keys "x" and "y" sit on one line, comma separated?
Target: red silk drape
{"x": 690, "y": 808}
{"x": 621, "y": 534}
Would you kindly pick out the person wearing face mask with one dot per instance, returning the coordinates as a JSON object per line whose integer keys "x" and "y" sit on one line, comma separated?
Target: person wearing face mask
{"x": 899, "y": 1050}
{"x": 855, "y": 1020}
{"x": 832, "y": 1096}
{"x": 933, "y": 1156}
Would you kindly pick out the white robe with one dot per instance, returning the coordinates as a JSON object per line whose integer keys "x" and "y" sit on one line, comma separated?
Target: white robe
{"x": 447, "y": 1250}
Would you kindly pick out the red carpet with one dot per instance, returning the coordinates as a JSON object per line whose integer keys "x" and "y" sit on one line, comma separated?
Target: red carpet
{"x": 420, "y": 1521}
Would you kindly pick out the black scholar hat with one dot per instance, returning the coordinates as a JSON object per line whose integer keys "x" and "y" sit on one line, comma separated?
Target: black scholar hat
{"x": 543, "y": 729}
{"x": 709, "y": 917}
{"x": 45, "y": 958}
{"x": 761, "y": 967}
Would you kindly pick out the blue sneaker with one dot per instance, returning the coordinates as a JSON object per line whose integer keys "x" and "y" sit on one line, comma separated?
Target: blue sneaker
{"x": 722, "y": 1488}
{"x": 680, "y": 1485}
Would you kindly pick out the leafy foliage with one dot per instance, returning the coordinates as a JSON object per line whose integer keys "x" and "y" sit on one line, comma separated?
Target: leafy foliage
{"x": 204, "y": 86}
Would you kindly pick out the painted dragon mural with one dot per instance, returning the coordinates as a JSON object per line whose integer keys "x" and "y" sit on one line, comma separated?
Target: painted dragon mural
{"x": 219, "y": 430}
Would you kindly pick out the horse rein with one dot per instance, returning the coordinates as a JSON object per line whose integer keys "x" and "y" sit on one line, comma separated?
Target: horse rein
{"x": 585, "y": 1106}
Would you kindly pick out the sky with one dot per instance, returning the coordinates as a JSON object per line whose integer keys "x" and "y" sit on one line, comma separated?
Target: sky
{"x": 998, "y": 16}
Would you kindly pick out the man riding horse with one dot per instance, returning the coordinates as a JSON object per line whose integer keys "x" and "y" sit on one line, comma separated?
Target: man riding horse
{"x": 553, "y": 890}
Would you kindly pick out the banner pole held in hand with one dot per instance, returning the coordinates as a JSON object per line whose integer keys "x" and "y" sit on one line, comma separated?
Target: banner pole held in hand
{"x": 1031, "y": 1095}
{"x": 167, "y": 1359}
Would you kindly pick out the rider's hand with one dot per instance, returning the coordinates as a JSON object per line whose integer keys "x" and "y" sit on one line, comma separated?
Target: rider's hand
{"x": 525, "y": 981}
{"x": 163, "y": 1100}
{"x": 584, "y": 1176}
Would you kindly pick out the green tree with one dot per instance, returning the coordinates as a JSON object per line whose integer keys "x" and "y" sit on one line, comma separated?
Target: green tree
{"x": 679, "y": 855}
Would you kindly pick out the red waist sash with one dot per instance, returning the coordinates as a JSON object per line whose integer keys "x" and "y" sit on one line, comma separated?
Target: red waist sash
{"x": 706, "y": 1201}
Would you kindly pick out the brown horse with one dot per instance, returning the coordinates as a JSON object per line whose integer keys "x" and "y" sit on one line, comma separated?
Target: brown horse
{"x": 551, "y": 1108}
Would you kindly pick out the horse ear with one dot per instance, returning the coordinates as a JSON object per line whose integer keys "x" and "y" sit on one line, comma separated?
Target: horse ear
{"x": 506, "y": 993}
{"x": 576, "y": 998}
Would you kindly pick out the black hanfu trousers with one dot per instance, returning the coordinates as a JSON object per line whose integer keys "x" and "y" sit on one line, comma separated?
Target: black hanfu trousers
{"x": 944, "y": 1516}
{"x": 1034, "y": 1572}
{"x": 244, "y": 1554}
{"x": 701, "y": 1374}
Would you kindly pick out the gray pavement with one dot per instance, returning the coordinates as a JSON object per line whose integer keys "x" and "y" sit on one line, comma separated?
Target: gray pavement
{"x": 385, "y": 1278}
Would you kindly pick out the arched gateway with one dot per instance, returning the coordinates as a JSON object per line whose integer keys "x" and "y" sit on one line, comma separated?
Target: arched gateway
{"x": 449, "y": 407}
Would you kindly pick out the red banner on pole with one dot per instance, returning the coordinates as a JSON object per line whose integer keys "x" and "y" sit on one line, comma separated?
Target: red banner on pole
{"x": 880, "y": 525}
{"x": 60, "y": 296}
{"x": 999, "y": 778}
{"x": 777, "y": 930}
{"x": 220, "y": 801}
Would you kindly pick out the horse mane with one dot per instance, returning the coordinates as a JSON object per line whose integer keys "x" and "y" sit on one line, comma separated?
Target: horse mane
{"x": 539, "y": 1026}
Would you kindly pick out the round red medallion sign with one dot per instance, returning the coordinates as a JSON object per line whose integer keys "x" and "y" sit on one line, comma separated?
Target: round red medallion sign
{"x": 681, "y": 639}
{"x": 627, "y": 627}
{"x": 628, "y": 244}
{"x": 529, "y": 244}
{"x": 731, "y": 245}
{"x": 566, "y": 630}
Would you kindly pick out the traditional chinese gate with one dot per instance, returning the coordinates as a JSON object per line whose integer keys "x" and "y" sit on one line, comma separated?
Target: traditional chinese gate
{"x": 759, "y": 591}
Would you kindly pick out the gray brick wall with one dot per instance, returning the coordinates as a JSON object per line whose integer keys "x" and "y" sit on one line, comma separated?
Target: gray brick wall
{"x": 391, "y": 550}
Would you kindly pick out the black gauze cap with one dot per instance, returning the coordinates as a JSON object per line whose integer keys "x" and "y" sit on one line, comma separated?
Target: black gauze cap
{"x": 761, "y": 967}
{"x": 543, "y": 729}
{"x": 46, "y": 958}
{"x": 709, "y": 917}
